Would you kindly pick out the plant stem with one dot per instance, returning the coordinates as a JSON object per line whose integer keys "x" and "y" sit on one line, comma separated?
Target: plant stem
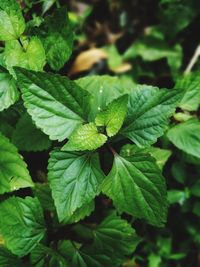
{"x": 193, "y": 60}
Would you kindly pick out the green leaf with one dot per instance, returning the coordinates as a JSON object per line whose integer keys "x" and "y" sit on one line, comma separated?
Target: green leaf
{"x": 136, "y": 186}
{"x": 113, "y": 116}
{"x": 36, "y": 141}
{"x": 161, "y": 155}
{"x": 43, "y": 193}
{"x": 75, "y": 179}
{"x": 79, "y": 256}
{"x": 115, "y": 238}
{"x": 104, "y": 90}
{"x": 57, "y": 37}
{"x": 81, "y": 213}
{"x": 30, "y": 56}
{"x": 85, "y": 137}
{"x": 8, "y": 91}
{"x": 148, "y": 111}
{"x": 56, "y": 104}
{"x": 186, "y": 136}
{"x": 152, "y": 46}
{"x": 14, "y": 174}
{"x": 12, "y": 23}
{"x": 42, "y": 255}
{"x": 191, "y": 98}
{"x": 21, "y": 224}
{"x": 7, "y": 259}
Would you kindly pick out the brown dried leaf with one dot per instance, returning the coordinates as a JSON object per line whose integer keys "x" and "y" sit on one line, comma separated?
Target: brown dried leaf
{"x": 85, "y": 60}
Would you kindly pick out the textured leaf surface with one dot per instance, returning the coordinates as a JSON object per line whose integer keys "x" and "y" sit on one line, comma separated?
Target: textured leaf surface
{"x": 113, "y": 116}
{"x": 12, "y": 23}
{"x": 148, "y": 111}
{"x": 57, "y": 37}
{"x": 13, "y": 171}
{"x": 136, "y": 186}
{"x": 191, "y": 98}
{"x": 27, "y": 137}
{"x": 75, "y": 179}
{"x": 30, "y": 56}
{"x": 104, "y": 89}
{"x": 85, "y": 137}
{"x": 186, "y": 137}
{"x": 8, "y": 91}
{"x": 21, "y": 224}
{"x": 161, "y": 155}
{"x": 56, "y": 104}
{"x": 81, "y": 213}
{"x": 115, "y": 237}
{"x": 7, "y": 259}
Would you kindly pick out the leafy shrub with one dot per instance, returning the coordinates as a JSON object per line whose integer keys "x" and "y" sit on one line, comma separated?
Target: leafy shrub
{"x": 83, "y": 156}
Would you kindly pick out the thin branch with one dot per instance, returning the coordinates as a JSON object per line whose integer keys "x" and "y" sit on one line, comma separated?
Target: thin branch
{"x": 193, "y": 60}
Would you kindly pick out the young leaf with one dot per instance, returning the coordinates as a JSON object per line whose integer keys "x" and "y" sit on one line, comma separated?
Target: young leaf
{"x": 113, "y": 116}
{"x": 27, "y": 137}
{"x": 148, "y": 111}
{"x": 30, "y": 56}
{"x": 186, "y": 136}
{"x": 8, "y": 91}
{"x": 75, "y": 179}
{"x": 14, "y": 174}
{"x": 57, "y": 37}
{"x": 21, "y": 224}
{"x": 85, "y": 137}
{"x": 136, "y": 186}
{"x": 7, "y": 259}
{"x": 56, "y": 104}
{"x": 104, "y": 90}
{"x": 12, "y": 23}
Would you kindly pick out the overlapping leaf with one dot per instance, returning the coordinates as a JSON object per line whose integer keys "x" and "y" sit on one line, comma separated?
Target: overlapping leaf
{"x": 13, "y": 171}
{"x": 56, "y": 104}
{"x": 21, "y": 224}
{"x": 75, "y": 179}
{"x": 148, "y": 111}
{"x": 136, "y": 186}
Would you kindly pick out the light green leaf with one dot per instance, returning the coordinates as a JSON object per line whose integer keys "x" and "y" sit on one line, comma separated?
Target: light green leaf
{"x": 57, "y": 37}
{"x": 75, "y": 179}
{"x": 12, "y": 23}
{"x": 56, "y": 104}
{"x": 8, "y": 91}
{"x": 136, "y": 186}
{"x": 104, "y": 90}
{"x": 191, "y": 98}
{"x": 85, "y": 137}
{"x": 161, "y": 155}
{"x": 7, "y": 259}
{"x": 176, "y": 196}
{"x": 13, "y": 172}
{"x": 186, "y": 137}
{"x": 21, "y": 224}
{"x": 27, "y": 137}
{"x": 113, "y": 116}
{"x": 148, "y": 111}
{"x": 30, "y": 56}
